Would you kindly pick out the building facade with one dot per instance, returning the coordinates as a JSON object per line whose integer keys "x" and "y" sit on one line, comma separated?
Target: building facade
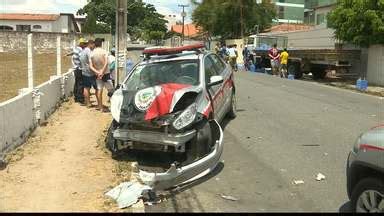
{"x": 315, "y": 12}
{"x": 289, "y": 11}
{"x": 58, "y": 23}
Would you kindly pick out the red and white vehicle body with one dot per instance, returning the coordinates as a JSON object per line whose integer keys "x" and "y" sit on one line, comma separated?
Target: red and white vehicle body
{"x": 172, "y": 102}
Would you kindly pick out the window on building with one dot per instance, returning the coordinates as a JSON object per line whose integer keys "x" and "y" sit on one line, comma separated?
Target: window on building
{"x": 320, "y": 19}
{"x": 6, "y": 28}
{"x": 37, "y": 27}
{"x": 281, "y": 12}
{"x": 23, "y": 28}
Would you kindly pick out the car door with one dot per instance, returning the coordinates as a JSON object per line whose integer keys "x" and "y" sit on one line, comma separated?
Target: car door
{"x": 227, "y": 87}
{"x": 216, "y": 90}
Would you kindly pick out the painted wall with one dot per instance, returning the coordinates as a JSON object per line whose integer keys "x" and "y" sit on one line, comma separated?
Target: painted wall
{"x": 17, "y": 120}
{"x": 19, "y": 116}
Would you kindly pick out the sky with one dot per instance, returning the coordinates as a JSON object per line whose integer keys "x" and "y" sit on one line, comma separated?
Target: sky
{"x": 71, "y": 6}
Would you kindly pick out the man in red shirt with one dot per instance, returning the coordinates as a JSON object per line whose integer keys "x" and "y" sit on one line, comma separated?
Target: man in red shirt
{"x": 274, "y": 55}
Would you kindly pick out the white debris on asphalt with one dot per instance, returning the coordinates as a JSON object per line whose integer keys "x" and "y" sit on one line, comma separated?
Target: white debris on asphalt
{"x": 283, "y": 170}
{"x": 320, "y": 177}
{"x": 231, "y": 198}
{"x": 297, "y": 182}
{"x": 325, "y": 154}
{"x": 127, "y": 193}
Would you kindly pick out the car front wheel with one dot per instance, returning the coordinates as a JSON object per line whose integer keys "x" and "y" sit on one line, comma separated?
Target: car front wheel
{"x": 232, "y": 110}
{"x": 368, "y": 196}
{"x": 110, "y": 141}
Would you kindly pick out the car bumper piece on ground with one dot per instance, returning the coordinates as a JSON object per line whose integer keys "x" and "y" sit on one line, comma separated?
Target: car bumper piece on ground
{"x": 177, "y": 176}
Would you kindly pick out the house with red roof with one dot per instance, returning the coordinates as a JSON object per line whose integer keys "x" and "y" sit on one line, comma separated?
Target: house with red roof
{"x": 190, "y": 30}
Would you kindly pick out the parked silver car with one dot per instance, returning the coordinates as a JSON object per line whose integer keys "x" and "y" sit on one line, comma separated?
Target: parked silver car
{"x": 365, "y": 172}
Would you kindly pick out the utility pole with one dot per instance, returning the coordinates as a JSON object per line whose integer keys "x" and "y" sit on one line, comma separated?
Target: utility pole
{"x": 121, "y": 38}
{"x": 241, "y": 19}
{"x": 183, "y": 14}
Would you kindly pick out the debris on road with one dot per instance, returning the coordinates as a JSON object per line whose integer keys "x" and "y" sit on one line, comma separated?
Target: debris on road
{"x": 320, "y": 177}
{"x": 231, "y": 198}
{"x": 127, "y": 193}
{"x": 325, "y": 154}
{"x": 217, "y": 179}
{"x": 297, "y": 182}
{"x": 311, "y": 145}
{"x": 283, "y": 170}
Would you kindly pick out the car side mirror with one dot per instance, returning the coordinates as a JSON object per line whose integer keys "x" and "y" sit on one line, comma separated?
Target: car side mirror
{"x": 215, "y": 80}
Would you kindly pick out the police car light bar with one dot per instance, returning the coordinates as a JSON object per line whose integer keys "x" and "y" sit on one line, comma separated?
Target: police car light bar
{"x": 174, "y": 50}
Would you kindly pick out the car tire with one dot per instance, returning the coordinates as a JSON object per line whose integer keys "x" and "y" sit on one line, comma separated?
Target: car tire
{"x": 368, "y": 184}
{"x": 111, "y": 142}
{"x": 232, "y": 111}
{"x": 201, "y": 144}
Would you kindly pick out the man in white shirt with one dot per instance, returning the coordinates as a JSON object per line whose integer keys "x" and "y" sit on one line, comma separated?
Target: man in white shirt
{"x": 233, "y": 57}
{"x": 99, "y": 65}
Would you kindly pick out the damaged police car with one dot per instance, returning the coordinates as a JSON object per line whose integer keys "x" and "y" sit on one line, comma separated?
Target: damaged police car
{"x": 172, "y": 102}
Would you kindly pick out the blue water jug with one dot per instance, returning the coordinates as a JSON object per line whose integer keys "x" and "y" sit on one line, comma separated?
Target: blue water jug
{"x": 364, "y": 85}
{"x": 252, "y": 68}
{"x": 291, "y": 77}
{"x": 358, "y": 84}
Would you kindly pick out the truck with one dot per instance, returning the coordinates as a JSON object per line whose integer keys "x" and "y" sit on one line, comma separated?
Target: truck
{"x": 304, "y": 61}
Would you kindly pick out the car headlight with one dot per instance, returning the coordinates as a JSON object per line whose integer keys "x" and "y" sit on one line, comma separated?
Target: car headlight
{"x": 116, "y": 104}
{"x": 186, "y": 117}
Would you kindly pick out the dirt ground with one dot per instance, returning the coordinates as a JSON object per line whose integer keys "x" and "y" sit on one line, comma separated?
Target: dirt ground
{"x": 64, "y": 166}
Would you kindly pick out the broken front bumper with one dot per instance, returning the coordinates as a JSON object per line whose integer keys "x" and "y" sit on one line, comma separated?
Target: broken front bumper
{"x": 175, "y": 140}
{"x": 177, "y": 176}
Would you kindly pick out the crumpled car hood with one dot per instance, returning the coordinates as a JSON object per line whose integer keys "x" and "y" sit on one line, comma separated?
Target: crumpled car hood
{"x": 151, "y": 103}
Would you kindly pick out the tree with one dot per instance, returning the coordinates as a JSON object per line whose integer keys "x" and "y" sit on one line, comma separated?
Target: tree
{"x": 141, "y": 17}
{"x": 223, "y": 17}
{"x": 359, "y": 22}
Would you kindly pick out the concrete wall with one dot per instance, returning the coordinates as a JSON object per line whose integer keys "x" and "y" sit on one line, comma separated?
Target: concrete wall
{"x": 68, "y": 83}
{"x": 11, "y": 41}
{"x": 375, "y": 71}
{"x": 20, "y": 115}
{"x": 17, "y": 120}
{"x": 50, "y": 96}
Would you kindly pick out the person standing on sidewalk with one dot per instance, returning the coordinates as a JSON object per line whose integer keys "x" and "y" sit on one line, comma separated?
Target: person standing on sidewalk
{"x": 89, "y": 78}
{"x": 233, "y": 57}
{"x": 99, "y": 65}
{"x": 284, "y": 62}
{"x": 274, "y": 56}
{"x": 78, "y": 87}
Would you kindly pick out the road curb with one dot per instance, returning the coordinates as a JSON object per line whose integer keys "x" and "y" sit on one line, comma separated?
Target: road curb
{"x": 369, "y": 91}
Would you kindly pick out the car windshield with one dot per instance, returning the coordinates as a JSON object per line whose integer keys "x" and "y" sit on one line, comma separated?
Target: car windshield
{"x": 148, "y": 75}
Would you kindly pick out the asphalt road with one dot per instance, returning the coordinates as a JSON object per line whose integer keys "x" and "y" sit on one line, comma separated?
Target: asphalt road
{"x": 285, "y": 130}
